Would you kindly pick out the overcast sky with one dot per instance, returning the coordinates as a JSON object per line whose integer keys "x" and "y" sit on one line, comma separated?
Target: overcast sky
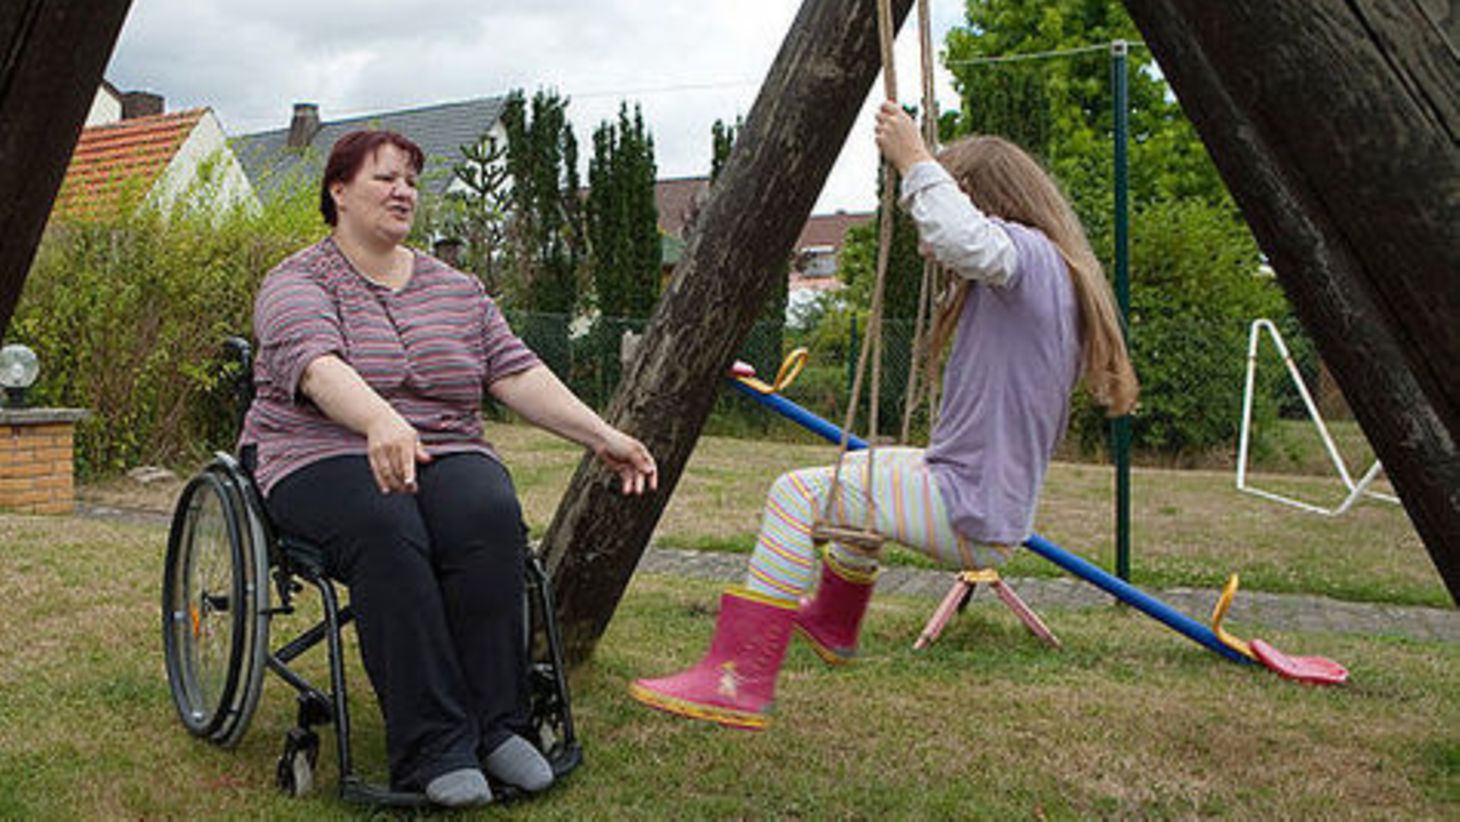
{"x": 687, "y": 63}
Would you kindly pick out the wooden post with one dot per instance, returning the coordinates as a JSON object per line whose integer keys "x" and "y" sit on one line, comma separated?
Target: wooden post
{"x": 1334, "y": 126}
{"x": 53, "y": 55}
{"x": 741, "y": 242}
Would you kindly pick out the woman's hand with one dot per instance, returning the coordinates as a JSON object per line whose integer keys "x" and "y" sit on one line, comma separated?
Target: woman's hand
{"x": 391, "y": 443}
{"x": 630, "y": 459}
{"x": 394, "y": 448}
{"x": 898, "y": 138}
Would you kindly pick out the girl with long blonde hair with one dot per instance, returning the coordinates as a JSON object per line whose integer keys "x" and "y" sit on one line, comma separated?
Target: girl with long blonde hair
{"x": 1002, "y": 180}
{"x": 1030, "y": 316}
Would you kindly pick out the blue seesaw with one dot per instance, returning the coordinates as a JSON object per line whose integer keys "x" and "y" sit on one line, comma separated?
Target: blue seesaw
{"x": 1307, "y": 669}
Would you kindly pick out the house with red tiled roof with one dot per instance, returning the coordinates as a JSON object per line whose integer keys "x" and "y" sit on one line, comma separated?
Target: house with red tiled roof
{"x": 153, "y": 157}
{"x": 680, "y": 199}
{"x": 813, "y": 270}
{"x": 821, "y": 240}
{"x": 814, "y": 256}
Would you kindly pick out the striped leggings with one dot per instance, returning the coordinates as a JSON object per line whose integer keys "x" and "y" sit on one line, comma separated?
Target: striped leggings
{"x": 909, "y": 510}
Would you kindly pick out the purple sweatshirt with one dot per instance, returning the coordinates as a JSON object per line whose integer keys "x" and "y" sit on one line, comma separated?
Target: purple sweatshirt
{"x": 1012, "y": 367}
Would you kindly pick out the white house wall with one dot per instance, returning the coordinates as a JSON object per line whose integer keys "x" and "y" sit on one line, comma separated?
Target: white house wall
{"x": 206, "y": 142}
{"x": 105, "y": 108}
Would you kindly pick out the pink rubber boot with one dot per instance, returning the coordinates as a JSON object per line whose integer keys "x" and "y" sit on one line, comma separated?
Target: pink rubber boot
{"x": 833, "y": 619}
{"x": 735, "y": 683}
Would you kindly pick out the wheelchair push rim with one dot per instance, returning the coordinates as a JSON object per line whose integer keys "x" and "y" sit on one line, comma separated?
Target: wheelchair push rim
{"x": 215, "y": 608}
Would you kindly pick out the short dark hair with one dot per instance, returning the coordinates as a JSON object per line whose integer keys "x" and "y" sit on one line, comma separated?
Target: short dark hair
{"x": 349, "y": 155}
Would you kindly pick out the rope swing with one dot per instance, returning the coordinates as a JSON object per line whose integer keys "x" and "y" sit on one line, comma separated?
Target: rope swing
{"x": 867, "y": 539}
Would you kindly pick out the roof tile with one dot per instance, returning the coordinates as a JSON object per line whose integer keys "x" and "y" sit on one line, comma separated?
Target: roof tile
{"x": 440, "y": 130}
{"x": 114, "y": 157}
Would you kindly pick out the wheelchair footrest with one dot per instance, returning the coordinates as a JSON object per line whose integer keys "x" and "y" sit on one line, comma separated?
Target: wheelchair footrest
{"x": 357, "y": 791}
{"x": 564, "y": 759}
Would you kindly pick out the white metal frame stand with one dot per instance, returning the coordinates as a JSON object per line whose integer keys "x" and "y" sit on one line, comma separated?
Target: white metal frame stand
{"x": 1355, "y": 489}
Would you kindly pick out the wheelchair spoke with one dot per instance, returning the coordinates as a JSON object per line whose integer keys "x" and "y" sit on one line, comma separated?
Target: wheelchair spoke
{"x": 215, "y": 614}
{"x": 215, "y": 637}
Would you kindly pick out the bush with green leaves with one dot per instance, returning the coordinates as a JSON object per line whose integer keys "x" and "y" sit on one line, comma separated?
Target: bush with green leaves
{"x": 128, "y": 312}
{"x": 1195, "y": 289}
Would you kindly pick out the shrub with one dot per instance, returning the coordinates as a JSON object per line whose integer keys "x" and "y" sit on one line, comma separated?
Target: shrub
{"x": 127, "y": 314}
{"x": 1194, "y": 293}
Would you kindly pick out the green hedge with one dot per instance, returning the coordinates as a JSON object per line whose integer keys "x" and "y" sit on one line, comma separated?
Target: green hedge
{"x": 127, "y": 316}
{"x": 1195, "y": 290}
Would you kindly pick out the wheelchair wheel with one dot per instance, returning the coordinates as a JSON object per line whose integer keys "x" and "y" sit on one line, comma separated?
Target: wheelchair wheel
{"x": 215, "y": 605}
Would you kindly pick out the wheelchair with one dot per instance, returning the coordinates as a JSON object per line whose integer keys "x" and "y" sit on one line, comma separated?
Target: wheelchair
{"x": 223, "y": 559}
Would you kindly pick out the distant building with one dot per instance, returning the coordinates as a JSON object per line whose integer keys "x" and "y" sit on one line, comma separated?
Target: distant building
{"x": 818, "y": 252}
{"x": 814, "y": 256}
{"x": 300, "y": 149}
{"x": 821, "y": 241}
{"x": 130, "y": 145}
{"x": 679, "y": 200}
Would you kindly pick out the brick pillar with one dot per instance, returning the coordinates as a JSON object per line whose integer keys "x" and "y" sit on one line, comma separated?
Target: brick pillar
{"x": 36, "y": 467}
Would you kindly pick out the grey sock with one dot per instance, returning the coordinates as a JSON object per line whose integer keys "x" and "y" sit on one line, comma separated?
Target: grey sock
{"x": 459, "y": 789}
{"x": 518, "y": 763}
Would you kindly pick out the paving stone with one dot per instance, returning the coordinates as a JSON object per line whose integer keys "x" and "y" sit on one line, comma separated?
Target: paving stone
{"x": 1251, "y": 609}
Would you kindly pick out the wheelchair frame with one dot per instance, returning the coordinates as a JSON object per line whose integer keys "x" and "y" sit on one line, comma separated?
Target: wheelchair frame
{"x": 222, "y": 554}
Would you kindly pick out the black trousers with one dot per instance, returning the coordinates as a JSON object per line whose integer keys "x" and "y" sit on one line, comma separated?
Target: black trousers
{"x": 436, "y": 584}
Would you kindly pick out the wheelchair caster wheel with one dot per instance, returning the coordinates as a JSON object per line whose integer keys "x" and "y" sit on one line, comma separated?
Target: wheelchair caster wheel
{"x": 296, "y": 766}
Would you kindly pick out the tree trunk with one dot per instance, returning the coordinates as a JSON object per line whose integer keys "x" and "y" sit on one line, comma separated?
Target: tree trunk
{"x": 741, "y": 243}
{"x": 1335, "y": 126}
{"x": 54, "y": 54}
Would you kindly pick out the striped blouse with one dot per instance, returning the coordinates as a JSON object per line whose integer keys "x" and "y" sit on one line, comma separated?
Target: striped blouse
{"x": 428, "y": 349}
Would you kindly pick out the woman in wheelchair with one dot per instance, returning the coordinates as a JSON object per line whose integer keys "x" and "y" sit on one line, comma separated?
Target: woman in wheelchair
{"x": 372, "y": 359}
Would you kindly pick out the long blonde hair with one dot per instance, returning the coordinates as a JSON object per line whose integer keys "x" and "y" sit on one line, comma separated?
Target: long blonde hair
{"x": 1005, "y": 182}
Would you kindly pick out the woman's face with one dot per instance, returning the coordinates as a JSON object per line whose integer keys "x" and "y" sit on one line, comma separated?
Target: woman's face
{"x": 381, "y": 199}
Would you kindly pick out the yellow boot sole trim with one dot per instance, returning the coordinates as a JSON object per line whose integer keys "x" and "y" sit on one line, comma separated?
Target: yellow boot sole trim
{"x": 827, "y": 655}
{"x": 696, "y": 710}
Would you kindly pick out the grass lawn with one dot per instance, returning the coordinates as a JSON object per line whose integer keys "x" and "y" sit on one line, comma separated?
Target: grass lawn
{"x": 1189, "y": 528}
{"x": 1125, "y": 721}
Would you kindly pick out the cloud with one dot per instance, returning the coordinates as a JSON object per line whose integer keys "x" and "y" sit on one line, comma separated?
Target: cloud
{"x": 686, "y": 64}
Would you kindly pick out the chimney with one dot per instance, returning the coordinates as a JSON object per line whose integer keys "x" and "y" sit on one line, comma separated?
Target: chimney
{"x": 304, "y": 125}
{"x": 140, "y": 104}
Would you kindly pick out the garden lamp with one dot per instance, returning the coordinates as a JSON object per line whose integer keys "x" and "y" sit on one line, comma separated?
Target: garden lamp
{"x": 18, "y": 370}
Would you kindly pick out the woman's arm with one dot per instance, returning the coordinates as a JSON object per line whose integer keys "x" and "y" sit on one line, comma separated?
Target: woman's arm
{"x": 539, "y": 397}
{"x": 393, "y": 445}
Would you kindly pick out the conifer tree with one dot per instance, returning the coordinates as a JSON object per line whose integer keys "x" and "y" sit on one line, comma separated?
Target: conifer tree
{"x": 545, "y": 236}
{"x": 763, "y": 346}
{"x": 477, "y": 214}
{"x": 622, "y": 218}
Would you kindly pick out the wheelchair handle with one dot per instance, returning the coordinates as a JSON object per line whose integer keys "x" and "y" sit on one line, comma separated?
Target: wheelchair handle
{"x": 239, "y": 351}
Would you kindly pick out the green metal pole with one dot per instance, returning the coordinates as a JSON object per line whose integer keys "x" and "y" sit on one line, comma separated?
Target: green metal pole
{"x": 1120, "y": 427}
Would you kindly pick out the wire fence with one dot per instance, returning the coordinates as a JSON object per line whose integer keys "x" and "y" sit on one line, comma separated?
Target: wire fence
{"x": 1191, "y": 408}
{"x": 589, "y": 357}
